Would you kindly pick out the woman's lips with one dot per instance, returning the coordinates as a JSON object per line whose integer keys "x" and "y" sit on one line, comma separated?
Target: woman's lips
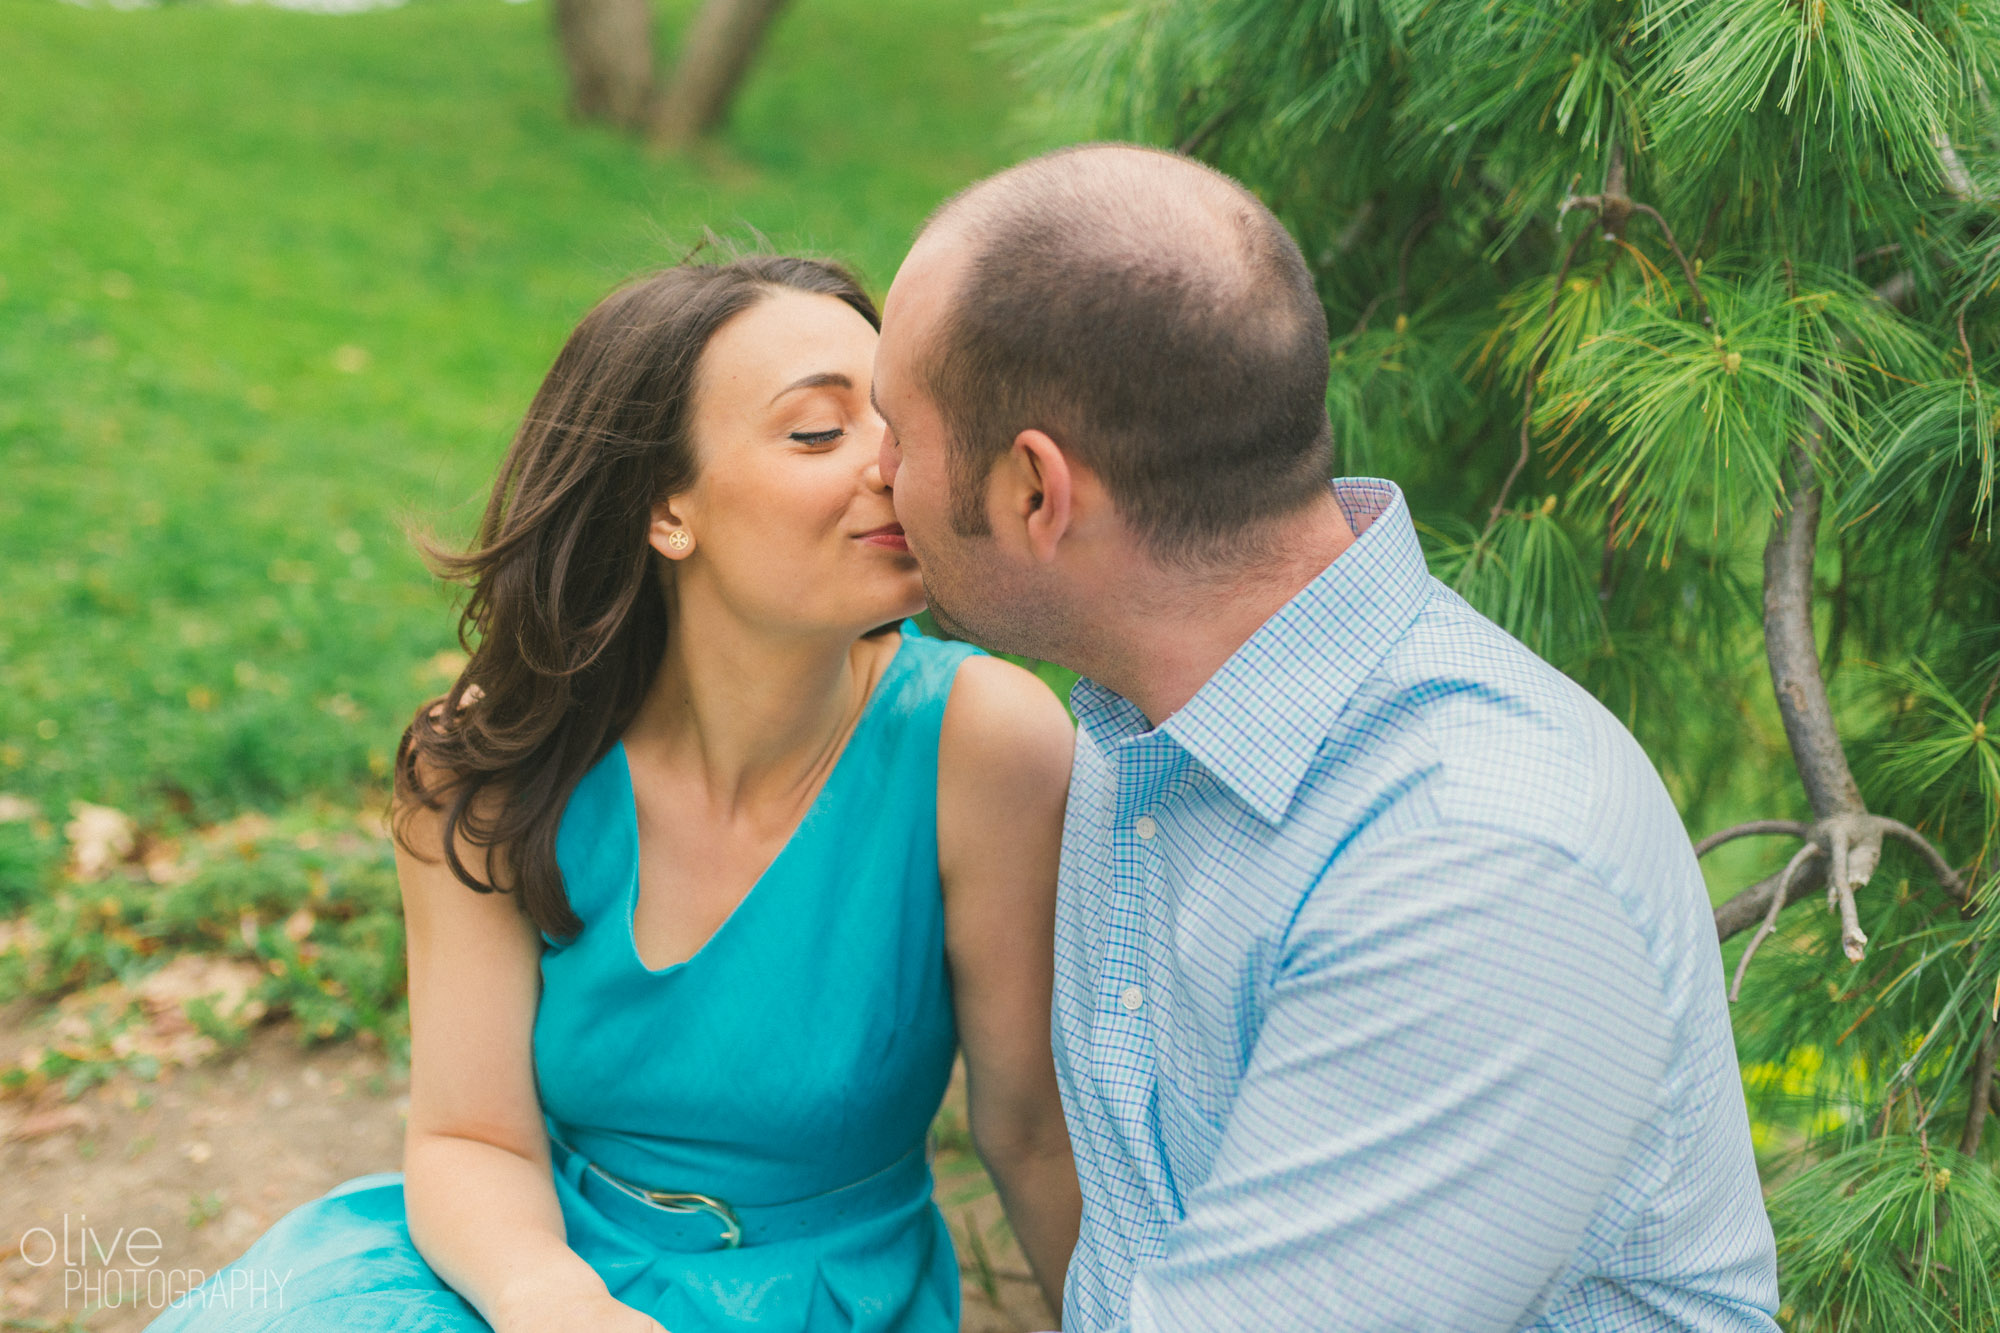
{"x": 890, "y": 536}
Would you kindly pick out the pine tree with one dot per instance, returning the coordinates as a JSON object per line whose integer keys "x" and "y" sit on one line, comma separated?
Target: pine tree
{"x": 1676, "y": 320}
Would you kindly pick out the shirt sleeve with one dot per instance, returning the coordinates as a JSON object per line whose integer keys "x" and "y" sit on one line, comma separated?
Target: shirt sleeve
{"x": 1464, "y": 1042}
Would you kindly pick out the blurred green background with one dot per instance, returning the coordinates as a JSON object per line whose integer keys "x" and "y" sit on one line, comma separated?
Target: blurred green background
{"x": 275, "y": 284}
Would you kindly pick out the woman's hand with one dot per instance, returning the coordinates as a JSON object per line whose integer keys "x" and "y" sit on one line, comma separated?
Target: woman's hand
{"x": 552, "y": 1308}
{"x": 612, "y": 1316}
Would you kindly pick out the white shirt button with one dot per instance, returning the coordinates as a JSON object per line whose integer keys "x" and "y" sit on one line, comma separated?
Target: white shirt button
{"x": 1132, "y": 999}
{"x": 1145, "y": 827}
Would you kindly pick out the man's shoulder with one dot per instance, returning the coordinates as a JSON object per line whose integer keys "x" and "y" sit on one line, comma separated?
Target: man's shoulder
{"x": 1493, "y": 734}
{"x": 1465, "y": 733}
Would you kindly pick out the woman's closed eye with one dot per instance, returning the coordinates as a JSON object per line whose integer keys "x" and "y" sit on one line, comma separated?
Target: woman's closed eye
{"x": 818, "y": 436}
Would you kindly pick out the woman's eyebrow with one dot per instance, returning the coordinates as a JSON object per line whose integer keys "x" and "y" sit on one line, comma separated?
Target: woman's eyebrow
{"x": 825, "y": 379}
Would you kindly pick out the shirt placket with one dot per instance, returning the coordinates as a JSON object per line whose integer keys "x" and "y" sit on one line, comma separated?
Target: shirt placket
{"x": 1124, "y": 1020}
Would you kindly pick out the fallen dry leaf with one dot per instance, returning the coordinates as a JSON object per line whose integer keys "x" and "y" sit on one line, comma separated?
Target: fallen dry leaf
{"x": 226, "y": 983}
{"x": 19, "y": 934}
{"x": 164, "y": 865}
{"x": 99, "y": 1023}
{"x": 242, "y": 830}
{"x": 100, "y": 837}
{"x": 15, "y": 809}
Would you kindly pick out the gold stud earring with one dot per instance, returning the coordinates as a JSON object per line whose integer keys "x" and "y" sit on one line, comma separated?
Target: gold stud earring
{"x": 680, "y": 541}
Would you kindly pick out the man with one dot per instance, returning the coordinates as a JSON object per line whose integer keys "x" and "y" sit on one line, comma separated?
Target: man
{"x": 1387, "y": 994}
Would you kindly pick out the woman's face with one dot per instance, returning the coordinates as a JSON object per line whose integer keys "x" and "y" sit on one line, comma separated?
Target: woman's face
{"x": 792, "y": 528}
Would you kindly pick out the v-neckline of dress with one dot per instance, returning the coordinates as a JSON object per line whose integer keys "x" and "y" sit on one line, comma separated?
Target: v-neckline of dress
{"x": 630, "y": 905}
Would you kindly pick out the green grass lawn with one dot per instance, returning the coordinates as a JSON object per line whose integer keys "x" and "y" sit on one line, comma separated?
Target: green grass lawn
{"x": 273, "y": 285}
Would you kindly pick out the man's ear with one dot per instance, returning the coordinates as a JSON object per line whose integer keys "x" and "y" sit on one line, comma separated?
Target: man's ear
{"x": 1043, "y": 491}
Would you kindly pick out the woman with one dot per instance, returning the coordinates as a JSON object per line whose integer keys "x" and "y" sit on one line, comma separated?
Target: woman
{"x": 764, "y": 858}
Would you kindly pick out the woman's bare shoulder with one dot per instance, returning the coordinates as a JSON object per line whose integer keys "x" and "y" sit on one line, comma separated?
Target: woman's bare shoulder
{"x": 1005, "y": 732}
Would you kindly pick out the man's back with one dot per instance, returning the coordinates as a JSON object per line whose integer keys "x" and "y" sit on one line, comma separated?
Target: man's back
{"x": 1387, "y": 993}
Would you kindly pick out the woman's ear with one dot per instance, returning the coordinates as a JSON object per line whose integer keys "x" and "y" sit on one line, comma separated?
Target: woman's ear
{"x": 668, "y": 534}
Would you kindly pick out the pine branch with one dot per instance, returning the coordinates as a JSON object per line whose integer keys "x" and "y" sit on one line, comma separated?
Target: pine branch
{"x": 1843, "y": 829}
{"x": 1790, "y": 646}
{"x": 1614, "y": 208}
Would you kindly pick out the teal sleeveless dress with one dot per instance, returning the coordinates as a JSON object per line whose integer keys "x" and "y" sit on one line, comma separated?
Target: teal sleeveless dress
{"x": 776, "y": 1089}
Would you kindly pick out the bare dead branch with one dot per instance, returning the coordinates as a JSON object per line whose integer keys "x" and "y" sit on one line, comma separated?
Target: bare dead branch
{"x": 1607, "y": 565}
{"x": 1837, "y": 858}
{"x": 1779, "y": 895}
{"x": 1708, "y": 223}
{"x": 1694, "y": 286}
{"x": 1840, "y": 888}
{"x": 1367, "y": 313}
{"x": 1350, "y": 235}
{"x": 1528, "y": 399}
{"x": 1756, "y": 828}
{"x": 1520, "y": 462}
{"x": 1982, "y": 1087}
{"x": 1957, "y": 179}
{"x": 1948, "y": 878}
{"x": 1410, "y": 239}
{"x": 1742, "y": 911}
{"x": 1192, "y": 144}
{"x": 1855, "y": 842}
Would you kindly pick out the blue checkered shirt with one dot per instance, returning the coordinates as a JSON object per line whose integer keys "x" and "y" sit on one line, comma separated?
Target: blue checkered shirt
{"x": 1387, "y": 993}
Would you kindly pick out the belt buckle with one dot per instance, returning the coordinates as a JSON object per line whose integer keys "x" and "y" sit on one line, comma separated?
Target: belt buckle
{"x": 686, "y": 1201}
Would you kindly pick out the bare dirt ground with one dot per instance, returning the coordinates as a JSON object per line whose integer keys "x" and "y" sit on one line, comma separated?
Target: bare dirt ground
{"x": 209, "y": 1157}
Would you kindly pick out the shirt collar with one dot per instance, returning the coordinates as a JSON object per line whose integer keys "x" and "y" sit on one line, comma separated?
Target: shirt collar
{"x": 1257, "y": 723}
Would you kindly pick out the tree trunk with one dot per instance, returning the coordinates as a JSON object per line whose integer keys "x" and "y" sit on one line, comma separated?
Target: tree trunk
{"x": 714, "y": 57}
{"x": 608, "y": 46}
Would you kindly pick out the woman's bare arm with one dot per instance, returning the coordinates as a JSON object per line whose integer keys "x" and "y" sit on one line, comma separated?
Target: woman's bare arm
{"x": 1003, "y": 778}
{"x": 477, "y": 1178}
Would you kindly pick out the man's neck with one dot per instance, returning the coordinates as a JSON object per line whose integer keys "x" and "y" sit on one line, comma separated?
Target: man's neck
{"x": 1171, "y": 632}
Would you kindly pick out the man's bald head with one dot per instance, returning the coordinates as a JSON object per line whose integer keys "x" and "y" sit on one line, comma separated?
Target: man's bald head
{"x": 1150, "y": 315}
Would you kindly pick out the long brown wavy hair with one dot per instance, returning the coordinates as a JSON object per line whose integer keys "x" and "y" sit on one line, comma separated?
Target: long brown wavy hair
{"x": 566, "y": 622}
